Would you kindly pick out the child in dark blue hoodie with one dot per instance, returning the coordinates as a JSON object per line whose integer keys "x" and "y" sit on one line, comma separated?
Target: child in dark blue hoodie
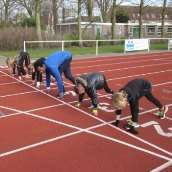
{"x": 131, "y": 93}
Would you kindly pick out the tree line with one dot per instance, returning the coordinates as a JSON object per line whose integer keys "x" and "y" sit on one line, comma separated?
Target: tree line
{"x": 29, "y": 13}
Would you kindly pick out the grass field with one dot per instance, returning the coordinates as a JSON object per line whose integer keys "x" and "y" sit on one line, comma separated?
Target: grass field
{"x": 77, "y": 51}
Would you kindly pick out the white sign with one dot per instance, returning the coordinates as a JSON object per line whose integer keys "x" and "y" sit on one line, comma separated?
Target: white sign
{"x": 169, "y": 44}
{"x": 136, "y": 44}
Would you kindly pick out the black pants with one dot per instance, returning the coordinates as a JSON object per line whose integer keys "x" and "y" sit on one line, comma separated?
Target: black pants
{"x": 37, "y": 76}
{"x": 134, "y": 105}
{"x": 66, "y": 69}
{"x": 14, "y": 69}
{"x": 106, "y": 87}
{"x": 21, "y": 70}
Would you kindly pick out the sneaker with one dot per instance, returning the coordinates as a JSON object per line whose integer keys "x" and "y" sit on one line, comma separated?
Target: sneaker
{"x": 130, "y": 129}
{"x": 38, "y": 84}
{"x": 95, "y": 111}
{"x": 116, "y": 123}
{"x": 20, "y": 78}
{"x": 163, "y": 112}
{"x": 135, "y": 124}
{"x": 77, "y": 104}
{"x": 60, "y": 95}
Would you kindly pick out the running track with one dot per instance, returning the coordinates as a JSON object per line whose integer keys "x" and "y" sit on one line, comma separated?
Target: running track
{"x": 41, "y": 133}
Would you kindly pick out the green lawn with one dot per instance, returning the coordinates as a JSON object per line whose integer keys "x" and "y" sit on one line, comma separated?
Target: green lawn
{"x": 159, "y": 46}
{"x": 77, "y": 51}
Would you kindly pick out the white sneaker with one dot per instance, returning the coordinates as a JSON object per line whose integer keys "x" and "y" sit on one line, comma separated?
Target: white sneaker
{"x": 163, "y": 111}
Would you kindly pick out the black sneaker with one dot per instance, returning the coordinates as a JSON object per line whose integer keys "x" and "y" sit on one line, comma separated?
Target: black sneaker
{"x": 130, "y": 129}
{"x": 116, "y": 123}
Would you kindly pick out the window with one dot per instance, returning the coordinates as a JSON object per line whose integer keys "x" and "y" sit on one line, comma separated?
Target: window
{"x": 133, "y": 15}
{"x": 150, "y": 30}
{"x": 169, "y": 29}
{"x": 159, "y": 30}
{"x": 153, "y": 16}
{"x": 147, "y": 16}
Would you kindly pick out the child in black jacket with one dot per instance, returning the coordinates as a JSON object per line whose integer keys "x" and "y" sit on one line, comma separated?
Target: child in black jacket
{"x": 36, "y": 74}
{"x": 23, "y": 64}
{"x": 131, "y": 93}
{"x": 90, "y": 83}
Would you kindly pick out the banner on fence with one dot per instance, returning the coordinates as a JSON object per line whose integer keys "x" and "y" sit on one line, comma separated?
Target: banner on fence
{"x": 169, "y": 44}
{"x": 136, "y": 44}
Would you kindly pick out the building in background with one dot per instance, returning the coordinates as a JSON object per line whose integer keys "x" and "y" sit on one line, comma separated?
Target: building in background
{"x": 151, "y": 25}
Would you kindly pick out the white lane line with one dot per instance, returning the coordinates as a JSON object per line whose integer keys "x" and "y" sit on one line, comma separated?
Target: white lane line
{"x": 8, "y": 83}
{"x": 114, "y": 63}
{"x": 82, "y": 111}
{"x": 17, "y": 94}
{"x": 129, "y": 145}
{"x": 59, "y": 100}
{"x": 135, "y": 58}
{"x": 162, "y": 167}
{"x": 43, "y": 118}
{"x": 143, "y": 74}
{"x": 5, "y": 116}
{"x": 133, "y": 67}
{"x": 38, "y": 144}
{"x": 119, "y": 69}
{"x": 169, "y": 118}
{"x": 71, "y": 85}
{"x": 67, "y": 135}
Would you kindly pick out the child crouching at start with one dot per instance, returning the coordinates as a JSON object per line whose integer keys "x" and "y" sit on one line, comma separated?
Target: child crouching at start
{"x": 131, "y": 93}
{"x": 11, "y": 64}
{"x": 89, "y": 84}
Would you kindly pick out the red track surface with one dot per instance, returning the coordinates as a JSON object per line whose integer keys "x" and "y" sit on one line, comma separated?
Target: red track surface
{"x": 41, "y": 133}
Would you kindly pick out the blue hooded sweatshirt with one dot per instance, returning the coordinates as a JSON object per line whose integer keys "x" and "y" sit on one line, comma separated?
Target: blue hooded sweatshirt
{"x": 52, "y": 64}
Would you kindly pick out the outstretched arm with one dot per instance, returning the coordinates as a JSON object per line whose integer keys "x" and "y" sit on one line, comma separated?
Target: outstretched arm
{"x": 48, "y": 80}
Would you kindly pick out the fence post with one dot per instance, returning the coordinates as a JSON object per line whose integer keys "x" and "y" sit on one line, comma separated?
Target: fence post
{"x": 148, "y": 45}
{"x": 62, "y": 45}
{"x": 97, "y": 47}
{"x": 24, "y": 46}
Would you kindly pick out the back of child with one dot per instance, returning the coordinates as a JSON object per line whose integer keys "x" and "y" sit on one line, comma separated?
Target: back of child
{"x": 11, "y": 64}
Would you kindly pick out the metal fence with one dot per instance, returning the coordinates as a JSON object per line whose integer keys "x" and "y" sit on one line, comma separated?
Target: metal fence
{"x": 95, "y": 47}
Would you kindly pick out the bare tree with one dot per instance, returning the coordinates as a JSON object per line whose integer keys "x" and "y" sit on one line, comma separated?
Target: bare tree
{"x": 38, "y": 20}
{"x": 163, "y": 13}
{"x": 1, "y": 11}
{"x": 104, "y": 6}
{"x": 89, "y": 8}
{"x": 143, "y": 4}
{"x": 113, "y": 18}
{"x": 141, "y": 7}
{"x": 79, "y": 21}
{"x": 28, "y": 5}
{"x": 7, "y": 5}
{"x": 55, "y": 6}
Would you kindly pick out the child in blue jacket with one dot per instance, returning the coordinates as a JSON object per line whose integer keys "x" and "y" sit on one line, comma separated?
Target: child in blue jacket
{"x": 54, "y": 65}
